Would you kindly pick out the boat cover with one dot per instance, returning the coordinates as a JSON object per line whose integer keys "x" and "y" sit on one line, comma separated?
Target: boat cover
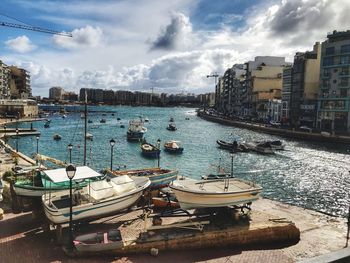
{"x": 60, "y": 175}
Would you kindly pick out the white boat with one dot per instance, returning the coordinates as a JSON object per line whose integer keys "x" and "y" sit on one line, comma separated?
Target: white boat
{"x": 97, "y": 199}
{"x": 89, "y": 136}
{"x": 136, "y": 130}
{"x": 193, "y": 194}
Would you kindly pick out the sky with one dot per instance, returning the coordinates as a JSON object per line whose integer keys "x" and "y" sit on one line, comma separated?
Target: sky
{"x": 170, "y": 46}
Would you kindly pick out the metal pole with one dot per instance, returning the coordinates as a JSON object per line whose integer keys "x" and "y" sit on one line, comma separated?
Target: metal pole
{"x": 347, "y": 234}
{"x": 16, "y": 140}
{"x": 37, "y": 149}
{"x": 231, "y": 165}
{"x": 111, "y": 158}
{"x": 85, "y": 128}
{"x": 70, "y": 215}
{"x": 70, "y": 155}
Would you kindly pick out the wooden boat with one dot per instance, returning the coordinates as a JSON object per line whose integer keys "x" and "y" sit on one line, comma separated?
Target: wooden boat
{"x": 171, "y": 127}
{"x": 136, "y": 130}
{"x": 96, "y": 200}
{"x": 99, "y": 241}
{"x": 193, "y": 194}
{"x": 233, "y": 147}
{"x": 159, "y": 177}
{"x": 149, "y": 150}
{"x": 173, "y": 147}
{"x": 38, "y": 184}
{"x": 57, "y": 137}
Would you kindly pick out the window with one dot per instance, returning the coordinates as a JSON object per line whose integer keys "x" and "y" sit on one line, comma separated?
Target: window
{"x": 344, "y": 60}
{"x": 343, "y": 93}
{"x": 329, "y": 50}
{"x": 328, "y": 61}
{"x": 344, "y": 71}
{"x": 326, "y": 72}
{"x": 334, "y": 81}
{"x": 345, "y": 49}
{"x": 344, "y": 82}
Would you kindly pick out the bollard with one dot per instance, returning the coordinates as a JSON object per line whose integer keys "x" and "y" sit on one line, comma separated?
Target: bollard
{"x": 154, "y": 251}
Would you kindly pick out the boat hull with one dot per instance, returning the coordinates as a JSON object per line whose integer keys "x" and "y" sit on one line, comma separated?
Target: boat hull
{"x": 92, "y": 211}
{"x": 198, "y": 196}
{"x": 134, "y": 136}
{"x": 158, "y": 179}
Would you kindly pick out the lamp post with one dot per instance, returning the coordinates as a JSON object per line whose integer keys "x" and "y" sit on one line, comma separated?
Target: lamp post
{"x": 16, "y": 139}
{"x": 112, "y": 143}
{"x": 158, "y": 145}
{"x": 70, "y": 147}
{"x": 70, "y": 170}
{"x": 37, "y": 148}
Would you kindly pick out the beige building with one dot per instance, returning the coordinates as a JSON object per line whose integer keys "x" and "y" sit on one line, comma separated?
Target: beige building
{"x": 19, "y": 83}
{"x": 56, "y": 93}
{"x": 20, "y": 108}
{"x": 4, "y": 81}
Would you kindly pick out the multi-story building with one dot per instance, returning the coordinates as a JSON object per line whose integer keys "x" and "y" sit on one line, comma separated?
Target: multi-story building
{"x": 305, "y": 86}
{"x": 263, "y": 82}
{"x": 4, "y": 81}
{"x": 20, "y": 83}
{"x": 219, "y": 94}
{"x": 56, "y": 93}
{"x": 286, "y": 90}
{"x": 19, "y": 108}
{"x": 333, "y": 109}
{"x": 70, "y": 96}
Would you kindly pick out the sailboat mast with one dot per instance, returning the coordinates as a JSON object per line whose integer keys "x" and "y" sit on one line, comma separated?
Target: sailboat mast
{"x": 85, "y": 127}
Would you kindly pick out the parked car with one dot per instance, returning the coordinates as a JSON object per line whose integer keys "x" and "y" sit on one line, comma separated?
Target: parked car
{"x": 305, "y": 128}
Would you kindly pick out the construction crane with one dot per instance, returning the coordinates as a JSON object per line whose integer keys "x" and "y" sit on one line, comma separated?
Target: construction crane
{"x": 34, "y": 28}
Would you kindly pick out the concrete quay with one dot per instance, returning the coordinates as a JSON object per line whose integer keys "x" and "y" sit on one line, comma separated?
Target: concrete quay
{"x": 287, "y": 133}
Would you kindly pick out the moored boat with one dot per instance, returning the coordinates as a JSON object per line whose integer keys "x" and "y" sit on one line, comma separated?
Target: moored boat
{"x": 193, "y": 194}
{"x": 57, "y": 137}
{"x": 103, "y": 120}
{"x": 171, "y": 126}
{"x": 136, "y": 130}
{"x": 159, "y": 177}
{"x": 173, "y": 147}
{"x": 89, "y": 136}
{"x": 150, "y": 150}
{"x": 97, "y": 199}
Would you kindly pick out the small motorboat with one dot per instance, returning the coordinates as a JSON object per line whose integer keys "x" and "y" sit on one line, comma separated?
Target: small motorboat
{"x": 89, "y": 121}
{"x": 122, "y": 126}
{"x": 171, "y": 127}
{"x": 89, "y": 136}
{"x": 277, "y": 145}
{"x": 227, "y": 145}
{"x": 47, "y": 124}
{"x": 171, "y": 119}
{"x": 146, "y": 119}
{"x": 103, "y": 121}
{"x": 136, "y": 130}
{"x": 99, "y": 241}
{"x": 57, "y": 137}
{"x": 118, "y": 119}
{"x": 112, "y": 114}
{"x": 64, "y": 116}
{"x": 149, "y": 150}
{"x": 264, "y": 148}
{"x": 193, "y": 194}
{"x": 173, "y": 147}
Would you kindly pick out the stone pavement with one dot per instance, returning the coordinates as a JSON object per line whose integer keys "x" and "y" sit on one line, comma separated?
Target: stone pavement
{"x": 22, "y": 240}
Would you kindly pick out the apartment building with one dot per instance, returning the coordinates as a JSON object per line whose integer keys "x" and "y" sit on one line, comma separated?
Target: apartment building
{"x": 19, "y": 83}
{"x": 4, "y": 81}
{"x": 305, "y": 87}
{"x": 333, "y": 109}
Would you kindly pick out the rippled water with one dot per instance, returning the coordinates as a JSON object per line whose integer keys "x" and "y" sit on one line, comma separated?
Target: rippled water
{"x": 310, "y": 175}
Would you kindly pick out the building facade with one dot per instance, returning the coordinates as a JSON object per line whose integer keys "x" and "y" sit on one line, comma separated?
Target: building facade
{"x": 305, "y": 86}
{"x": 56, "y": 93}
{"x": 19, "y": 83}
{"x": 286, "y": 93}
{"x": 4, "y": 81}
{"x": 333, "y": 109}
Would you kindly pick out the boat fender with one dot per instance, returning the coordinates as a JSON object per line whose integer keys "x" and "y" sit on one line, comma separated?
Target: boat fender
{"x": 154, "y": 251}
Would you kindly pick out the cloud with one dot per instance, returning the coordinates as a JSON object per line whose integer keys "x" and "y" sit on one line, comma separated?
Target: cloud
{"x": 175, "y": 35}
{"x": 20, "y": 44}
{"x": 83, "y": 37}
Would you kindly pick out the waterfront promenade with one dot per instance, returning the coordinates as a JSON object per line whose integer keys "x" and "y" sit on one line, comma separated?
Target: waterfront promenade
{"x": 287, "y": 133}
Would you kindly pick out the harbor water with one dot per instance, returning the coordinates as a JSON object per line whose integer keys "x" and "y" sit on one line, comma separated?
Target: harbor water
{"x": 311, "y": 175}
